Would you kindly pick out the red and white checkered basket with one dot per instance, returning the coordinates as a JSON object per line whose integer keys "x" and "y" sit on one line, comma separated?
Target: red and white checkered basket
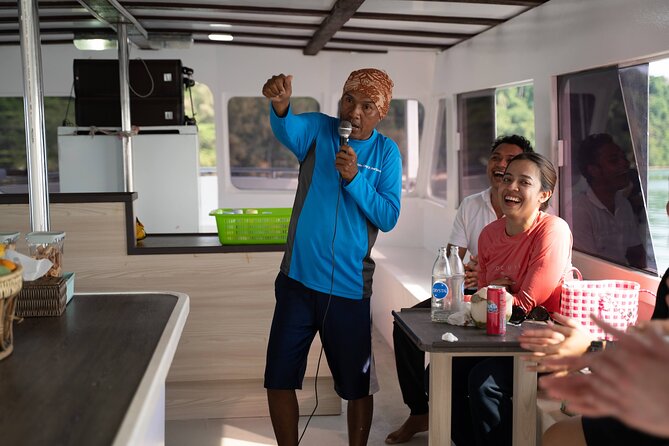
{"x": 614, "y": 301}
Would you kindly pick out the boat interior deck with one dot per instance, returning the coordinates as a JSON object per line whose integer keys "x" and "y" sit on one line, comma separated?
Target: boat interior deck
{"x": 389, "y": 413}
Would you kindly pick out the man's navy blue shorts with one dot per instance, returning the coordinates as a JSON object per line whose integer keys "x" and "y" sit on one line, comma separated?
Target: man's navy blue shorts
{"x": 345, "y": 334}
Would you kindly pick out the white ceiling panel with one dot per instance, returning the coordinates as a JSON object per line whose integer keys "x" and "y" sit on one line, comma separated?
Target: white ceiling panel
{"x": 455, "y": 9}
{"x": 416, "y": 26}
{"x": 394, "y": 38}
{"x": 222, "y": 17}
{"x": 307, "y": 25}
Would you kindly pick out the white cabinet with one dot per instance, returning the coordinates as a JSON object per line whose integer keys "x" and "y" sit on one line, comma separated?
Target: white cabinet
{"x": 165, "y": 166}
{"x": 166, "y": 181}
{"x": 89, "y": 163}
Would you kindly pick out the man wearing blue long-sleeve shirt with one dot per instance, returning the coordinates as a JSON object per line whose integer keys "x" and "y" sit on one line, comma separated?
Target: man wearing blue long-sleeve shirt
{"x": 346, "y": 192}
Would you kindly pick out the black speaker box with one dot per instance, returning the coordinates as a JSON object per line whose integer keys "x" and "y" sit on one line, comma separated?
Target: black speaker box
{"x": 156, "y": 92}
{"x": 148, "y": 78}
{"x": 106, "y": 112}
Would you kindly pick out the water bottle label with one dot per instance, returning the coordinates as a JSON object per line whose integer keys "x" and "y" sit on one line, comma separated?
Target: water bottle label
{"x": 439, "y": 290}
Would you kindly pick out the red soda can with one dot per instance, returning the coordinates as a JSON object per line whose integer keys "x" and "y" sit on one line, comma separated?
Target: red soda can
{"x": 496, "y": 315}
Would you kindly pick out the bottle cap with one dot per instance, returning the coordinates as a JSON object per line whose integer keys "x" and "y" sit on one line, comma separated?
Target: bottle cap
{"x": 9, "y": 237}
{"x": 44, "y": 237}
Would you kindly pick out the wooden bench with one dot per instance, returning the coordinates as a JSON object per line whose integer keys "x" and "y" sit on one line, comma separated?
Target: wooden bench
{"x": 401, "y": 280}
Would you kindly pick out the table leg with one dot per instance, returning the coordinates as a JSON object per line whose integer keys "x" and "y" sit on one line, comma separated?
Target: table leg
{"x": 440, "y": 398}
{"x": 524, "y": 404}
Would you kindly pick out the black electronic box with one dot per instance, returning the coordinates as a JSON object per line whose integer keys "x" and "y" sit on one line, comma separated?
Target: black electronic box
{"x": 156, "y": 92}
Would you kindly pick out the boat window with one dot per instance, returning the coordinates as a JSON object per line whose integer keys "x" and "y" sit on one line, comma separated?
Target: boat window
{"x": 438, "y": 175}
{"x": 404, "y": 125}
{"x": 514, "y": 111}
{"x": 476, "y": 127}
{"x": 257, "y": 159}
{"x": 13, "y": 159}
{"x": 658, "y": 161}
{"x": 614, "y": 173}
{"x": 482, "y": 116}
{"x": 199, "y": 105}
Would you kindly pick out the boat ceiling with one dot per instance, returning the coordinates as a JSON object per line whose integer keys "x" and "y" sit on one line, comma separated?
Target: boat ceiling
{"x": 308, "y": 26}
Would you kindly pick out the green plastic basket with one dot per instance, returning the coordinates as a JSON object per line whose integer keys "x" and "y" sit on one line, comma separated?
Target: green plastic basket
{"x": 252, "y": 226}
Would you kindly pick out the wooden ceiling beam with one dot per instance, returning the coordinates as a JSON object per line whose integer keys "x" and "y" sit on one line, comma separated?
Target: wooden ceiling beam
{"x": 406, "y": 32}
{"x": 52, "y": 19}
{"x": 264, "y": 45}
{"x": 229, "y": 8}
{"x": 435, "y": 46}
{"x": 238, "y": 22}
{"x": 235, "y": 33}
{"x": 341, "y": 12}
{"x": 428, "y": 18}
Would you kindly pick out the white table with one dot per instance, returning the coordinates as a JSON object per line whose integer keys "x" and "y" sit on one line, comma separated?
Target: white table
{"x": 426, "y": 335}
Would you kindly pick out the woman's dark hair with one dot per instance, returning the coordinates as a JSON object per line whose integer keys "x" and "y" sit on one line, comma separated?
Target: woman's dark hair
{"x": 516, "y": 140}
{"x": 546, "y": 169}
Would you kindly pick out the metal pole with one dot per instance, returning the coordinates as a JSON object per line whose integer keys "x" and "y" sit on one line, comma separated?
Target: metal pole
{"x": 33, "y": 107}
{"x": 126, "y": 127}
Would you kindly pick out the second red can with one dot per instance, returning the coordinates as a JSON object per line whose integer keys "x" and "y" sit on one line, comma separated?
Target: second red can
{"x": 496, "y": 315}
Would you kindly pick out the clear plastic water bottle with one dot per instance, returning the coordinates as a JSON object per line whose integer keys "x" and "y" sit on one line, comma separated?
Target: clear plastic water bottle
{"x": 441, "y": 288}
{"x": 457, "y": 280}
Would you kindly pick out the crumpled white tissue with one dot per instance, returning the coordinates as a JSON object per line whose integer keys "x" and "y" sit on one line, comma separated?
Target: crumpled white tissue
{"x": 449, "y": 337}
{"x": 32, "y": 269}
{"x": 462, "y": 318}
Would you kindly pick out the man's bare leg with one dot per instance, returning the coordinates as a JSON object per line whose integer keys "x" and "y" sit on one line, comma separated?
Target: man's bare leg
{"x": 284, "y": 412}
{"x": 359, "y": 417}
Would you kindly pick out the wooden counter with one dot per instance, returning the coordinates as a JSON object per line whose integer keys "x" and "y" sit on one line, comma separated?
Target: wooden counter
{"x": 218, "y": 368}
{"x": 95, "y": 375}
{"x": 198, "y": 243}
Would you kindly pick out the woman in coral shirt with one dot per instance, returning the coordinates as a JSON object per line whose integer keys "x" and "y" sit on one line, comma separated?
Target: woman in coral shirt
{"x": 528, "y": 251}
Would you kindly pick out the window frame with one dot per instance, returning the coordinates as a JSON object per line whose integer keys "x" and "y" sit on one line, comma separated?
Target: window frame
{"x": 593, "y": 111}
{"x": 439, "y": 161}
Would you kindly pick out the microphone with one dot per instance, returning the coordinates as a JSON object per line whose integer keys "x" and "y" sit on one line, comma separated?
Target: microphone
{"x": 345, "y": 129}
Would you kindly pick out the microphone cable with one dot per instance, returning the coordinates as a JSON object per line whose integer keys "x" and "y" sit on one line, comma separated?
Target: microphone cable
{"x": 327, "y": 308}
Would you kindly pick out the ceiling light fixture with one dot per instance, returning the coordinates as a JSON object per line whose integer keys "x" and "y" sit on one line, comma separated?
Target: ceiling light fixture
{"x": 221, "y": 37}
{"x": 95, "y": 44}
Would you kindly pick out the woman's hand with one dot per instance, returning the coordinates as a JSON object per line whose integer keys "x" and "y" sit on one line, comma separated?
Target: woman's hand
{"x": 553, "y": 340}
{"x": 661, "y": 325}
{"x": 627, "y": 381}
